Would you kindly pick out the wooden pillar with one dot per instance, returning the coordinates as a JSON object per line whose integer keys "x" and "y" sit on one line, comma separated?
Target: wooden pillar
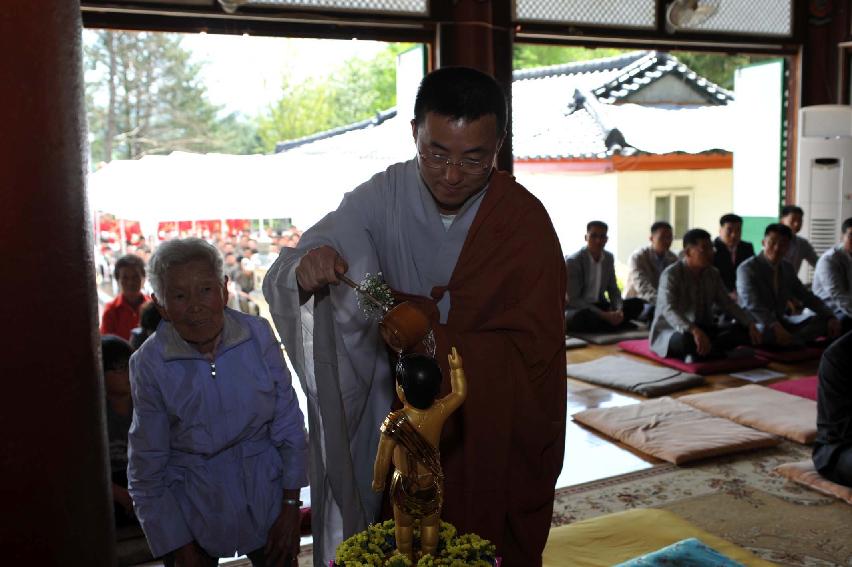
{"x": 828, "y": 24}
{"x": 53, "y": 461}
{"x": 478, "y": 34}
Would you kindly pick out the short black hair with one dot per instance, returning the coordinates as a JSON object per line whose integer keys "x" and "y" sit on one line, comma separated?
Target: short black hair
{"x": 660, "y": 224}
{"x": 597, "y": 223}
{"x": 420, "y": 378}
{"x": 730, "y": 217}
{"x": 847, "y": 224}
{"x": 694, "y": 236}
{"x": 129, "y": 261}
{"x": 115, "y": 353}
{"x": 792, "y": 210}
{"x": 461, "y": 93}
{"x": 149, "y": 316}
{"x": 779, "y": 229}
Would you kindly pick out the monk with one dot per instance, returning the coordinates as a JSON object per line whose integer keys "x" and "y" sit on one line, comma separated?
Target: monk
{"x": 443, "y": 228}
{"x": 410, "y": 439}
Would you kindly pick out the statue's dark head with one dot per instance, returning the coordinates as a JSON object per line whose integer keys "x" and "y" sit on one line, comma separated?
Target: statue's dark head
{"x": 419, "y": 376}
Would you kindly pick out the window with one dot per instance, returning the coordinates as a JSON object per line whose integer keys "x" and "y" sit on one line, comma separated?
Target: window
{"x": 674, "y": 207}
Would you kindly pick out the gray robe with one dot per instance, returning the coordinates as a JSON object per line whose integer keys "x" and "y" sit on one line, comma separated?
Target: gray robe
{"x": 389, "y": 224}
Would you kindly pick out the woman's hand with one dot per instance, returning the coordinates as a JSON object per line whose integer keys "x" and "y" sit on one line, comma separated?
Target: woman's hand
{"x": 282, "y": 543}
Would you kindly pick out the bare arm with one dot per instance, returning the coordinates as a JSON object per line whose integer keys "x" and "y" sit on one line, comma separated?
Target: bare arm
{"x": 383, "y": 461}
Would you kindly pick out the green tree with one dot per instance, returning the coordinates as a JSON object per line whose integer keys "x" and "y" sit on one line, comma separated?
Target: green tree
{"x": 357, "y": 90}
{"x": 716, "y": 67}
{"x": 145, "y": 96}
{"x": 527, "y": 55}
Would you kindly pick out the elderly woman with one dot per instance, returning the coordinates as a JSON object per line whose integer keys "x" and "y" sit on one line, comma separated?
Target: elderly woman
{"x": 217, "y": 448}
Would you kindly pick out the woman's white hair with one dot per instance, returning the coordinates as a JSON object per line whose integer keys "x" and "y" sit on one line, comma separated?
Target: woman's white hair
{"x": 180, "y": 251}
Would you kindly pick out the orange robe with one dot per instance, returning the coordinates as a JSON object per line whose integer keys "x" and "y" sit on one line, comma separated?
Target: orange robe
{"x": 502, "y": 451}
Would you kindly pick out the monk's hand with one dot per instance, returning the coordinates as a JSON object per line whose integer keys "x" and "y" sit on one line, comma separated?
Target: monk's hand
{"x": 454, "y": 359}
{"x": 702, "y": 341}
{"x": 282, "y": 542}
{"x": 834, "y": 328}
{"x": 320, "y": 267}
{"x": 756, "y": 337}
{"x": 378, "y": 485}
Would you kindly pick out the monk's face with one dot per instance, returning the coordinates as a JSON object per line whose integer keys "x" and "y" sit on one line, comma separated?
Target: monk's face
{"x": 847, "y": 240}
{"x": 470, "y": 146}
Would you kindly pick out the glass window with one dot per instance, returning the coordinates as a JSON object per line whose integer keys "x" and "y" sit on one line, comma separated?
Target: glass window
{"x": 681, "y": 215}
{"x": 662, "y": 209}
{"x": 392, "y": 6}
{"x": 622, "y": 13}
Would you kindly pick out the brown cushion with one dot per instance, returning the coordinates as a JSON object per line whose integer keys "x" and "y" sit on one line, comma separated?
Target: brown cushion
{"x": 762, "y": 408}
{"x": 674, "y": 431}
{"x": 804, "y": 473}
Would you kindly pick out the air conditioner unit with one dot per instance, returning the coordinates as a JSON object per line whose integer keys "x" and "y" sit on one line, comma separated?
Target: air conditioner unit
{"x": 824, "y": 174}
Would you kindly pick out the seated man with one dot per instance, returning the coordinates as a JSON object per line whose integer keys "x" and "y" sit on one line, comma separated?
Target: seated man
{"x": 833, "y": 446}
{"x": 766, "y": 283}
{"x": 591, "y": 274}
{"x": 833, "y": 277}
{"x": 731, "y": 251}
{"x": 646, "y": 264}
{"x": 684, "y": 325}
{"x": 800, "y": 249}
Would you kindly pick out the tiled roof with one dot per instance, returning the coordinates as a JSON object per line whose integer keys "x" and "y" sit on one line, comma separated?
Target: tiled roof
{"x": 587, "y": 109}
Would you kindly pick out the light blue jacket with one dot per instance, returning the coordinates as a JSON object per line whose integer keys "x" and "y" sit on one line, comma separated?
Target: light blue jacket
{"x": 210, "y": 455}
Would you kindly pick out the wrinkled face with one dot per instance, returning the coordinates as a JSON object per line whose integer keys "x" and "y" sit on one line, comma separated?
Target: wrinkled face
{"x": 596, "y": 239}
{"x": 130, "y": 280}
{"x": 699, "y": 256}
{"x": 455, "y": 140}
{"x": 794, "y": 221}
{"x": 661, "y": 240}
{"x": 847, "y": 240}
{"x": 731, "y": 233}
{"x": 194, "y": 301}
{"x": 775, "y": 247}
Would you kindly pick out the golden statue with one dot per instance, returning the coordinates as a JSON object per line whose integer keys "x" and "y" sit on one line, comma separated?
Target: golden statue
{"x": 410, "y": 438}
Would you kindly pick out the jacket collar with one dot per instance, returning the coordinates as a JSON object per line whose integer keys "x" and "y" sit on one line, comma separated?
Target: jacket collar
{"x": 234, "y": 333}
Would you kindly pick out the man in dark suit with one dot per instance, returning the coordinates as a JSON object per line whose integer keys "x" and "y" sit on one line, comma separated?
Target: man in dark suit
{"x": 766, "y": 283}
{"x": 731, "y": 251}
{"x": 833, "y": 446}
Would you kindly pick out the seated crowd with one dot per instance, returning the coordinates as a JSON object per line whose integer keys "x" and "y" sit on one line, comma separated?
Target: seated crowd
{"x": 719, "y": 295}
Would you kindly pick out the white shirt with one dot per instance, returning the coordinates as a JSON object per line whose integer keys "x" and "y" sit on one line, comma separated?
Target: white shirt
{"x": 594, "y": 291}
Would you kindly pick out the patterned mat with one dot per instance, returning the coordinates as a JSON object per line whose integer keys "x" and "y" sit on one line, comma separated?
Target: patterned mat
{"x": 737, "y": 498}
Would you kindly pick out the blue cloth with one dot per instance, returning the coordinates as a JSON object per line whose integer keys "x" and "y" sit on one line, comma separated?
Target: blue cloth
{"x": 213, "y": 443}
{"x": 686, "y": 553}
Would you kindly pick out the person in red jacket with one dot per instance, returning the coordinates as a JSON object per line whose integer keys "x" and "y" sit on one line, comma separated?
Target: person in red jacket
{"x": 121, "y": 315}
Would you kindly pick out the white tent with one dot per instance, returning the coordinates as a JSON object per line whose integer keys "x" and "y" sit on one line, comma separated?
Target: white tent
{"x": 302, "y": 184}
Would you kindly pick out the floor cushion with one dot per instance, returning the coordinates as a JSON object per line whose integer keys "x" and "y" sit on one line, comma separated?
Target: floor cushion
{"x": 674, "y": 431}
{"x": 642, "y": 348}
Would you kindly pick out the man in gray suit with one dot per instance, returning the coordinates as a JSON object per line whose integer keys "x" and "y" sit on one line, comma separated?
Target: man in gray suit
{"x": 684, "y": 326}
{"x": 833, "y": 277}
{"x": 645, "y": 266}
{"x": 594, "y": 303}
{"x": 766, "y": 283}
